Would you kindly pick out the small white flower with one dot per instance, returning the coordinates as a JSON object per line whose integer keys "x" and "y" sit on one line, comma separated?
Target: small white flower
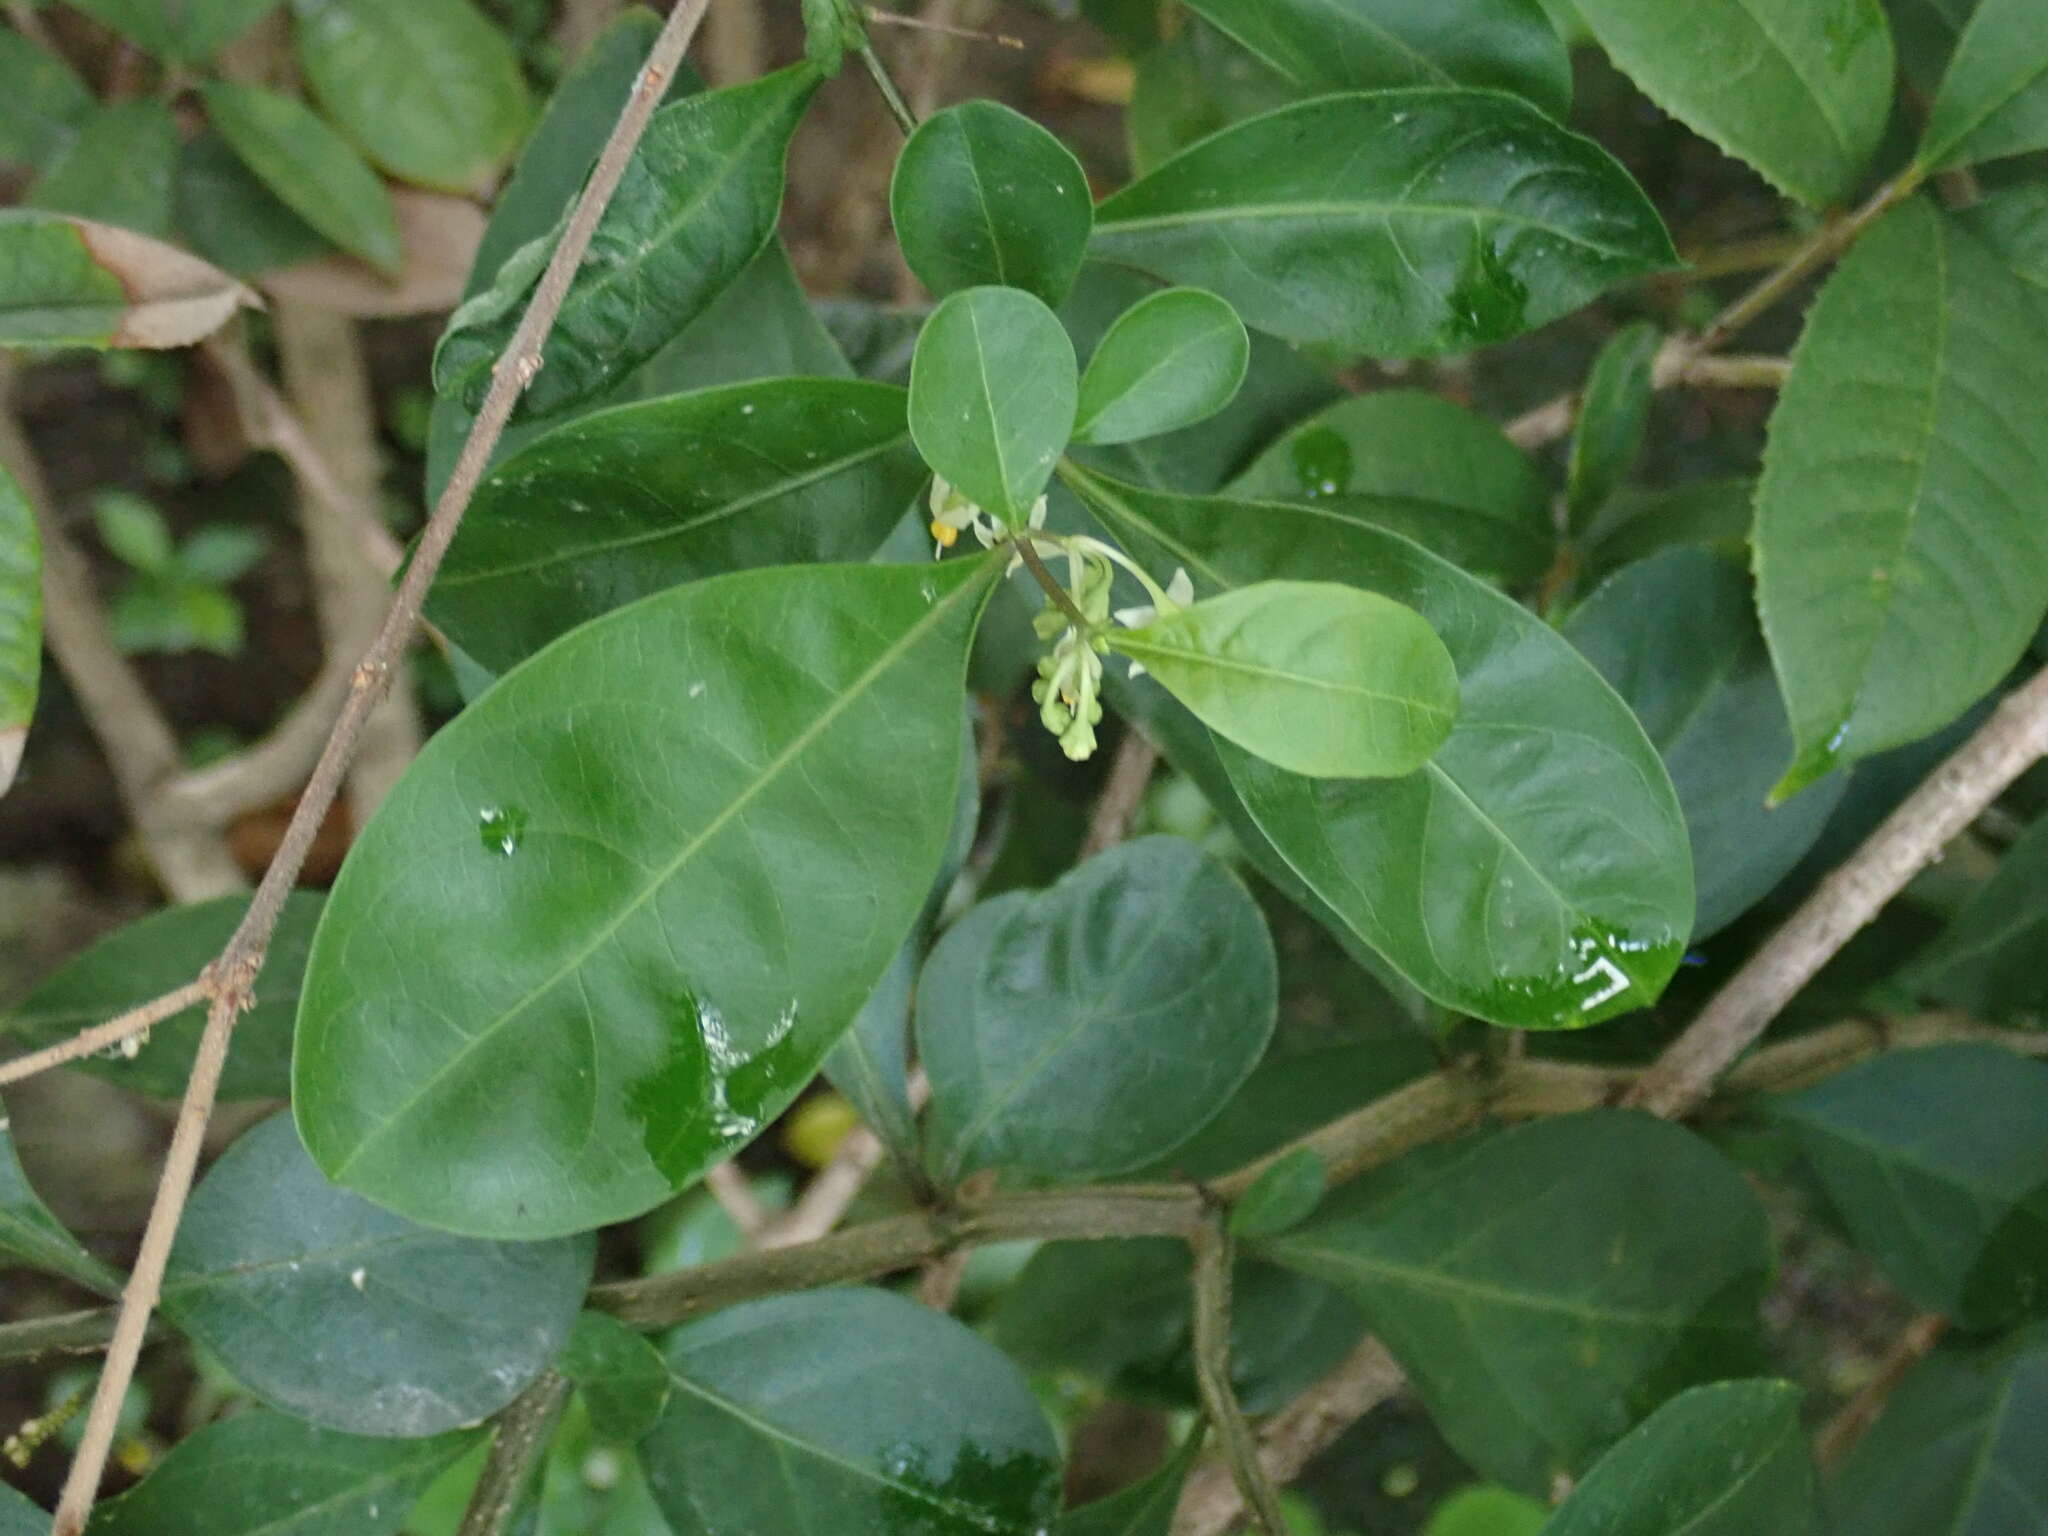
{"x": 1180, "y": 593}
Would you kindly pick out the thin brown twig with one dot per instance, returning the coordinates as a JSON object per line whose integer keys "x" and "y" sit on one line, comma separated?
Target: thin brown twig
{"x": 1212, "y": 1250}
{"x": 1838, "y": 1437}
{"x": 1130, "y": 776}
{"x": 100, "y": 1037}
{"x": 517, "y": 1443}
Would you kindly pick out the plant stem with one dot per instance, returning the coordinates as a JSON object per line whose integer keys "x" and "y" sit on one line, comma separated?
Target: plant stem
{"x": 1129, "y": 778}
{"x": 1061, "y": 598}
{"x": 101, "y": 1036}
{"x": 1212, "y": 1250}
{"x": 520, "y": 1439}
{"x": 898, "y": 107}
{"x": 1838, "y": 1437}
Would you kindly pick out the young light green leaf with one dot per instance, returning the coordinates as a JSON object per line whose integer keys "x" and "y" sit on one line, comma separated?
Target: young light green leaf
{"x": 1993, "y": 101}
{"x": 1487, "y": 1510}
{"x": 1726, "y": 1459}
{"x": 117, "y": 170}
{"x": 617, "y": 505}
{"x": 42, "y": 102}
{"x": 1086, "y": 1030}
{"x": 775, "y": 1417}
{"x": 1420, "y": 466}
{"x": 1170, "y": 361}
{"x": 697, "y": 203}
{"x": 619, "y": 1372}
{"x": 365, "y": 59}
{"x": 1614, "y": 412}
{"x": 351, "y": 1318}
{"x": 1284, "y": 1196}
{"x": 1397, "y": 223}
{"x": 1988, "y": 959}
{"x": 1547, "y": 1287}
{"x": 262, "y": 1474}
{"x": 1938, "y": 1161}
{"x": 993, "y": 391}
{"x": 179, "y": 31}
{"x": 1323, "y": 680}
{"x": 832, "y": 29}
{"x": 1362, "y": 45}
{"x": 21, "y": 623}
{"x": 665, "y": 828}
{"x": 30, "y": 1233}
{"x": 1144, "y": 1509}
{"x": 310, "y": 167}
{"x": 982, "y": 195}
{"x": 1799, "y": 92}
{"x": 1902, "y": 565}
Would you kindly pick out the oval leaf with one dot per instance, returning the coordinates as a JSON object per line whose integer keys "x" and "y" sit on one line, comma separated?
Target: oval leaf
{"x": 180, "y": 31}
{"x": 1396, "y": 223}
{"x": 665, "y": 831}
{"x": 119, "y": 169}
{"x": 1170, "y": 361}
{"x": 42, "y": 102}
{"x": 21, "y": 623}
{"x": 1613, "y": 414}
{"x": 1324, "y": 680}
{"x": 983, "y": 195}
{"x": 620, "y": 1374}
{"x": 1086, "y": 1030}
{"x": 1993, "y": 101}
{"x": 352, "y": 1318}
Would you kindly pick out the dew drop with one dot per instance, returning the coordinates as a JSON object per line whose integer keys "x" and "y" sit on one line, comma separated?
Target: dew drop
{"x": 501, "y": 829}
{"x": 1322, "y": 463}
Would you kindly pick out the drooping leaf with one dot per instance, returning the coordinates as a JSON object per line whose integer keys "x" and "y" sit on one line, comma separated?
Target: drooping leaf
{"x": 1993, "y": 101}
{"x": 620, "y": 504}
{"x": 697, "y": 203}
{"x": 21, "y": 623}
{"x": 620, "y": 1373}
{"x": 666, "y": 831}
{"x": 1613, "y": 415}
{"x": 1143, "y": 1509}
{"x": 164, "y": 951}
{"x": 1417, "y": 465}
{"x": 1988, "y": 959}
{"x": 1086, "y": 1030}
{"x": 1676, "y": 636}
{"x": 179, "y": 31}
{"x": 117, "y": 170}
{"x": 1547, "y": 1287}
{"x": 1171, "y": 360}
{"x": 982, "y": 195}
{"x": 262, "y": 1474}
{"x": 310, "y": 167}
{"x": 1799, "y": 92}
{"x": 42, "y": 102}
{"x": 1725, "y": 1459}
{"x": 351, "y": 1318}
{"x": 1536, "y": 871}
{"x": 1937, "y": 1160}
{"x": 1397, "y": 223}
{"x": 1902, "y": 564}
{"x": 775, "y": 1417}
{"x": 30, "y": 1233}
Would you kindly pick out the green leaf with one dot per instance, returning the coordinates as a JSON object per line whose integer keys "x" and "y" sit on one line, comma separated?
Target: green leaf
{"x": 366, "y": 61}
{"x": 220, "y": 553}
{"x": 262, "y": 1474}
{"x": 1420, "y": 466}
{"x": 1613, "y": 415}
{"x": 1196, "y": 82}
{"x": 1321, "y": 679}
{"x": 870, "y": 1066}
{"x": 21, "y": 623}
{"x": 133, "y": 531}
{"x": 1284, "y": 1196}
{"x": 1799, "y": 92}
{"x": 117, "y": 170}
{"x": 624, "y": 503}
{"x": 30, "y": 1233}
{"x": 698, "y": 201}
{"x": 993, "y": 392}
{"x": 1351, "y": 45}
{"x": 18, "y": 1517}
{"x": 1937, "y": 1160}
{"x": 665, "y": 830}
{"x": 354, "y": 1319}
{"x": 776, "y": 1418}
{"x": 1536, "y": 871}
{"x": 1993, "y": 101}
{"x": 1547, "y": 1287}
{"x": 1720, "y": 1460}
{"x": 1988, "y": 959}
{"x": 179, "y": 31}
{"x": 1484, "y": 1510}
{"x": 232, "y": 219}
{"x": 42, "y": 103}
{"x": 1676, "y": 636}
{"x": 68, "y": 282}
{"x": 1083, "y": 1031}
{"x": 310, "y": 168}
{"x": 620, "y": 1373}
{"x": 1926, "y": 32}
{"x": 1957, "y": 1449}
{"x": 1639, "y": 523}
{"x": 832, "y": 29}
{"x": 982, "y": 195}
{"x": 1902, "y": 564}
{"x": 1143, "y": 1509}
{"x": 149, "y": 958}
{"x": 1397, "y": 223}
{"x": 1170, "y": 361}
{"x": 2013, "y": 223}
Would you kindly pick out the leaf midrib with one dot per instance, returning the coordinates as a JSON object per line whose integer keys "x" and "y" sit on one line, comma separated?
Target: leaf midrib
{"x": 1479, "y": 214}
{"x": 1131, "y": 644}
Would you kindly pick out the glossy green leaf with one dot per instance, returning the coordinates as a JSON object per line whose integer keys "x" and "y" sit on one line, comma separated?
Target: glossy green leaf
{"x": 118, "y": 169}
{"x": 620, "y": 1373}
{"x": 1614, "y": 413}
{"x": 1170, "y": 361}
{"x": 180, "y": 31}
{"x": 1901, "y": 559}
{"x": 1143, "y": 1509}
{"x": 146, "y": 959}
{"x": 1988, "y": 959}
{"x": 1536, "y": 871}
{"x": 21, "y": 623}
{"x": 30, "y": 1233}
{"x": 993, "y": 393}
{"x": 1676, "y": 636}
{"x": 1726, "y": 1459}
{"x": 18, "y": 1517}
{"x": 1086, "y": 1030}
{"x": 1321, "y": 679}
{"x": 1418, "y": 465}
{"x": 1957, "y": 1449}
{"x": 354, "y": 1319}
{"x": 1800, "y": 92}
{"x": 1193, "y": 84}
{"x": 42, "y": 102}
{"x": 227, "y": 215}
{"x": 665, "y": 830}
{"x": 1547, "y": 1287}
{"x": 364, "y": 60}
{"x": 620, "y": 504}
{"x": 310, "y": 167}
{"x": 1397, "y": 223}
{"x": 698, "y": 202}
{"x": 776, "y": 1419}
{"x": 1937, "y": 1160}
{"x": 262, "y": 1474}
{"x": 1353, "y": 45}
{"x": 1486, "y": 1510}
{"x": 1284, "y": 1196}
{"x": 982, "y": 195}
{"x": 1993, "y": 101}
